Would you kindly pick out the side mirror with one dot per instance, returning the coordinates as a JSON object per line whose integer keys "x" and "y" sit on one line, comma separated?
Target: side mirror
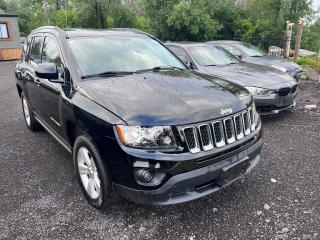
{"x": 48, "y": 71}
{"x": 239, "y": 56}
{"x": 186, "y": 61}
{"x": 190, "y": 64}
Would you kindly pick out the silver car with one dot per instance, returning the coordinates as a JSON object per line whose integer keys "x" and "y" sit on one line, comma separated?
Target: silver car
{"x": 249, "y": 53}
{"x": 272, "y": 89}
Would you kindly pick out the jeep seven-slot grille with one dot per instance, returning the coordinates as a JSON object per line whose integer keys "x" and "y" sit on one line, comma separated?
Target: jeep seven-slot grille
{"x": 204, "y": 137}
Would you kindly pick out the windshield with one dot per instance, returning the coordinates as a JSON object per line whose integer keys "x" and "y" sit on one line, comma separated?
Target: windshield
{"x": 211, "y": 55}
{"x": 250, "y": 50}
{"x": 97, "y": 55}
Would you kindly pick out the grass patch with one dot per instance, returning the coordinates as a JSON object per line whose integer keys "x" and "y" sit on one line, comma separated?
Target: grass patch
{"x": 312, "y": 62}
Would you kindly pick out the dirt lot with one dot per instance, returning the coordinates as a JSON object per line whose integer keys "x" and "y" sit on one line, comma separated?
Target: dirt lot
{"x": 40, "y": 197}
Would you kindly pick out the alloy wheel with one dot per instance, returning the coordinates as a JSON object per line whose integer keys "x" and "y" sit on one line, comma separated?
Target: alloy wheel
{"x": 88, "y": 173}
{"x": 26, "y": 111}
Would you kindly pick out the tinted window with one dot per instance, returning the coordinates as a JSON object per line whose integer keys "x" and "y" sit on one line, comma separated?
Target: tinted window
{"x": 250, "y": 50}
{"x": 50, "y": 52}
{"x": 120, "y": 53}
{"x": 211, "y": 55}
{"x": 231, "y": 49}
{"x": 35, "y": 52}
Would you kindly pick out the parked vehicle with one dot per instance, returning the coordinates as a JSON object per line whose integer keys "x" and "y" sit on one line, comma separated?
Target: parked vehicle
{"x": 273, "y": 91}
{"x": 136, "y": 119}
{"x": 249, "y": 53}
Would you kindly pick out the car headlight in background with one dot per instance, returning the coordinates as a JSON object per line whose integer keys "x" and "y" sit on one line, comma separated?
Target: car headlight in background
{"x": 259, "y": 91}
{"x": 282, "y": 69}
{"x": 160, "y": 137}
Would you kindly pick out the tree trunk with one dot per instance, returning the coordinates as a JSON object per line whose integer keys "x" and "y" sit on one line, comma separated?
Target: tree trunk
{"x": 101, "y": 16}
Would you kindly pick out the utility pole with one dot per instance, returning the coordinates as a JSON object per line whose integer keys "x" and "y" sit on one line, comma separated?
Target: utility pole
{"x": 298, "y": 38}
{"x": 288, "y": 39}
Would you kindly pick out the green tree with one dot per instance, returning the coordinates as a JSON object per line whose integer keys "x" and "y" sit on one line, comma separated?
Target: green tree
{"x": 94, "y": 13}
{"x": 311, "y": 37}
{"x": 191, "y": 22}
{"x": 64, "y": 19}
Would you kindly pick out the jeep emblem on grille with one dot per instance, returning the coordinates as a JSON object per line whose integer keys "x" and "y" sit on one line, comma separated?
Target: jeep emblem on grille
{"x": 226, "y": 111}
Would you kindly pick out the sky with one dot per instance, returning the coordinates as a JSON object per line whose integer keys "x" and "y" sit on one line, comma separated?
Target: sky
{"x": 316, "y": 4}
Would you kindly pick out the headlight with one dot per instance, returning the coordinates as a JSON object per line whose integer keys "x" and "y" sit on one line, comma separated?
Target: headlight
{"x": 282, "y": 69}
{"x": 259, "y": 91}
{"x": 146, "y": 137}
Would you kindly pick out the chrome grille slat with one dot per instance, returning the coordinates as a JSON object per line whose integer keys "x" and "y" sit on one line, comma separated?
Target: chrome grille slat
{"x": 246, "y": 123}
{"x": 190, "y": 134}
{"x": 251, "y": 115}
{"x": 206, "y": 137}
{"x": 229, "y": 130}
{"x": 238, "y": 125}
{"x": 217, "y": 134}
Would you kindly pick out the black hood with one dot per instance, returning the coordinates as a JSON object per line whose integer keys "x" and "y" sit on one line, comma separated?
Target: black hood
{"x": 166, "y": 97}
{"x": 247, "y": 75}
{"x": 275, "y": 62}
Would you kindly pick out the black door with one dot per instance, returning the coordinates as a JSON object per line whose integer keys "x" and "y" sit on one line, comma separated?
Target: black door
{"x": 32, "y": 82}
{"x": 50, "y": 92}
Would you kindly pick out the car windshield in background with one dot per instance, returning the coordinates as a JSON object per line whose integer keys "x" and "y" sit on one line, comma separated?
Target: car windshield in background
{"x": 250, "y": 50}
{"x": 211, "y": 56}
{"x": 112, "y": 54}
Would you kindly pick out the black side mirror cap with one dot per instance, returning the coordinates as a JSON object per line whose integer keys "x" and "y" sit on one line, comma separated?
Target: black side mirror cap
{"x": 48, "y": 71}
{"x": 191, "y": 65}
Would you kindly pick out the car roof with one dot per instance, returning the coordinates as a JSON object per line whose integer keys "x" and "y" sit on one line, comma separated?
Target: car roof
{"x": 186, "y": 44}
{"x": 224, "y": 41}
{"x": 82, "y": 32}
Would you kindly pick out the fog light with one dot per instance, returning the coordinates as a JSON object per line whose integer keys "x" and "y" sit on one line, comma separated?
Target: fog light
{"x": 144, "y": 175}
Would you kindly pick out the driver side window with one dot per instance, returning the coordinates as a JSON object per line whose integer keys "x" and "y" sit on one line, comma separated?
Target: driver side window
{"x": 51, "y": 54}
{"x": 183, "y": 55}
{"x": 35, "y": 51}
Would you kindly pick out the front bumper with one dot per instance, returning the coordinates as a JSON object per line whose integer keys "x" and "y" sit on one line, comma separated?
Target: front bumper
{"x": 197, "y": 183}
{"x": 274, "y": 103}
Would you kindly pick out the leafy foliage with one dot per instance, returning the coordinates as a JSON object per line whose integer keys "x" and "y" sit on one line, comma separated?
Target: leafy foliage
{"x": 189, "y": 20}
{"x": 312, "y": 62}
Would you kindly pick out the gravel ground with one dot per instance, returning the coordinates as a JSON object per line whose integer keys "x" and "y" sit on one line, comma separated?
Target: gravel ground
{"x": 40, "y": 197}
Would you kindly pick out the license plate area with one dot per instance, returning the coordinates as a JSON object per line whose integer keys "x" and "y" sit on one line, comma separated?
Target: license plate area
{"x": 233, "y": 171}
{"x": 285, "y": 101}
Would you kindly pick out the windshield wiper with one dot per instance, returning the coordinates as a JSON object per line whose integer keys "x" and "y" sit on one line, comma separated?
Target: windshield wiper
{"x": 157, "y": 69}
{"x": 107, "y": 74}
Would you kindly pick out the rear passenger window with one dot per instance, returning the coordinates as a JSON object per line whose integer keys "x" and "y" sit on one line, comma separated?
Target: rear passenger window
{"x": 50, "y": 52}
{"x": 35, "y": 52}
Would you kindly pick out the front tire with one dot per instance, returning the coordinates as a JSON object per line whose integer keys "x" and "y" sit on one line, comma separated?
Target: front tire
{"x": 29, "y": 119}
{"x": 91, "y": 173}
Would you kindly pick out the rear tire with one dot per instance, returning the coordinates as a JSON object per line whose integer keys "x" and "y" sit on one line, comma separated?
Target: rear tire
{"x": 29, "y": 119}
{"x": 91, "y": 172}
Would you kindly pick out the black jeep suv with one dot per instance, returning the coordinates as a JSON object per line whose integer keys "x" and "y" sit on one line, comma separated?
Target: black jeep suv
{"x": 136, "y": 119}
